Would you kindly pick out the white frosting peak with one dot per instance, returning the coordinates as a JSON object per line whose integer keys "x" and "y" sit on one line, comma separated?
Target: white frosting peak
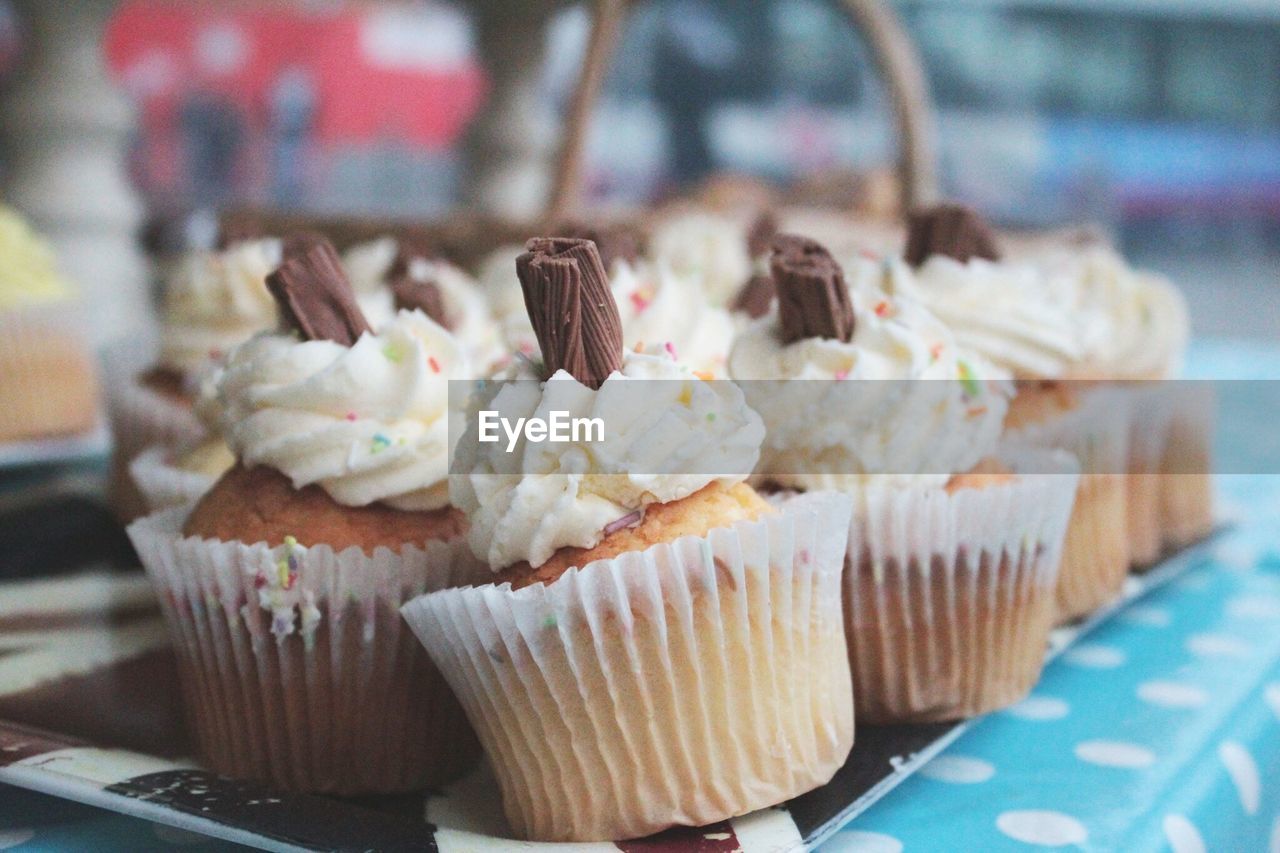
{"x": 663, "y": 441}
{"x": 369, "y": 423}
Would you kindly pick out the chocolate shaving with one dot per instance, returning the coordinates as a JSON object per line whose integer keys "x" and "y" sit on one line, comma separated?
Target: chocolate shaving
{"x": 613, "y": 242}
{"x": 761, "y": 233}
{"x": 954, "y": 230}
{"x": 410, "y": 292}
{"x": 313, "y": 293}
{"x": 813, "y": 301}
{"x": 756, "y": 296}
{"x": 573, "y": 312}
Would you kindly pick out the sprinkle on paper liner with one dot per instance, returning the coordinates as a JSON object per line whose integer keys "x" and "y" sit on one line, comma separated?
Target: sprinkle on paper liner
{"x": 629, "y": 520}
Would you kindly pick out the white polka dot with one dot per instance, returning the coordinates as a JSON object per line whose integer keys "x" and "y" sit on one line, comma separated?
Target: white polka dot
{"x": 1172, "y": 694}
{"x": 1094, "y": 656}
{"x": 1216, "y": 646}
{"x": 1271, "y": 695}
{"x": 1039, "y": 708}
{"x": 1182, "y": 834}
{"x": 1254, "y": 607}
{"x": 1114, "y": 753}
{"x": 1042, "y": 827}
{"x": 856, "y": 841}
{"x": 13, "y": 837}
{"x": 173, "y": 835}
{"x": 958, "y": 770}
{"x": 1244, "y": 774}
{"x": 1147, "y": 615}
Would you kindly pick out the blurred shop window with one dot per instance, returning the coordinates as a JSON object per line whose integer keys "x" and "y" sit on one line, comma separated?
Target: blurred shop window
{"x": 1224, "y": 73}
{"x": 333, "y": 106}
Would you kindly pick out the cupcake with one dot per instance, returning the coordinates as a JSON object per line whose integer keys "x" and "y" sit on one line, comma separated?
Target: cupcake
{"x": 1137, "y": 330}
{"x": 953, "y": 552}
{"x": 659, "y": 646}
{"x": 1016, "y": 317}
{"x": 168, "y": 477}
{"x": 48, "y": 386}
{"x": 705, "y": 247}
{"x": 282, "y": 585}
{"x": 415, "y": 278}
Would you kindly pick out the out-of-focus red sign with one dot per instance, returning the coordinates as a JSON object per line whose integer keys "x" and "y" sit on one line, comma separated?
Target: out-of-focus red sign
{"x": 364, "y": 72}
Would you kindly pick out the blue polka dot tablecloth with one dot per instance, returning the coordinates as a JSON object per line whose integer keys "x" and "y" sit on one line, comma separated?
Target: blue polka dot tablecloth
{"x": 1158, "y": 731}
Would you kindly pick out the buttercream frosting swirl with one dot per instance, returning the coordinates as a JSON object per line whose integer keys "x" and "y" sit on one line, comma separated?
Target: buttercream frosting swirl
{"x": 471, "y": 321}
{"x": 1009, "y": 313}
{"x": 924, "y": 407}
{"x": 369, "y": 423}
{"x": 1133, "y": 323}
{"x": 706, "y": 248}
{"x": 663, "y": 440}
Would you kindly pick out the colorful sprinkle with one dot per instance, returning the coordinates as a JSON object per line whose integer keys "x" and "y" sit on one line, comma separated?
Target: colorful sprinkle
{"x": 435, "y": 365}
{"x": 641, "y": 299}
{"x": 882, "y": 309}
{"x": 671, "y": 350}
{"x": 977, "y": 411}
{"x": 704, "y": 375}
{"x": 711, "y": 416}
{"x": 351, "y": 416}
{"x": 967, "y": 378}
{"x": 393, "y": 353}
{"x": 380, "y": 443}
{"x": 842, "y": 374}
{"x": 549, "y": 622}
{"x": 935, "y": 353}
{"x": 804, "y": 556}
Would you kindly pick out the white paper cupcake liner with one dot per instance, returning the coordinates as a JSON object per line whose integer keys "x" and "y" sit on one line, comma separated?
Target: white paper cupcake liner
{"x": 949, "y": 596}
{"x": 164, "y": 485}
{"x": 685, "y": 684}
{"x": 296, "y": 667}
{"x": 1095, "y": 552}
{"x": 1186, "y": 482}
{"x": 48, "y": 381}
{"x": 1150, "y": 410}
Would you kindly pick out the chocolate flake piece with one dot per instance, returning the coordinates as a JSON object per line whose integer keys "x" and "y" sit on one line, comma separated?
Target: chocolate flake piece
{"x": 954, "y": 230}
{"x": 613, "y": 242}
{"x": 756, "y": 296}
{"x": 313, "y": 293}
{"x": 813, "y": 301}
{"x": 573, "y": 312}
{"x": 410, "y": 292}
{"x": 761, "y": 233}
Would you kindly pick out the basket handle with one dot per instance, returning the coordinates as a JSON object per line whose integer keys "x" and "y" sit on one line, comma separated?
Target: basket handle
{"x": 892, "y": 51}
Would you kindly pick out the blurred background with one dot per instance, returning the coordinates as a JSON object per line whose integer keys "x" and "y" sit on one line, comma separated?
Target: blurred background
{"x": 1159, "y": 119}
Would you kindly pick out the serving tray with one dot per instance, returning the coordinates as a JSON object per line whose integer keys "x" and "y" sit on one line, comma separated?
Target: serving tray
{"x": 89, "y": 711}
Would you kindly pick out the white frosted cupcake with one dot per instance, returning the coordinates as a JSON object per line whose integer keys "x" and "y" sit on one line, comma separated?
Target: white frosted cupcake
{"x": 660, "y": 646}
{"x": 953, "y": 554}
{"x": 1136, "y": 332}
{"x": 1019, "y": 317}
{"x": 707, "y": 248}
{"x": 282, "y": 585}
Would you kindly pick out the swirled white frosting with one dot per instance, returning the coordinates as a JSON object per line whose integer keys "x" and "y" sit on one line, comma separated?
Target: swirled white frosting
{"x": 1009, "y": 313}
{"x": 216, "y": 300}
{"x": 658, "y": 307}
{"x": 706, "y": 248}
{"x": 369, "y": 423}
{"x": 940, "y": 415}
{"x": 664, "y": 439}
{"x": 471, "y": 321}
{"x": 1133, "y": 323}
